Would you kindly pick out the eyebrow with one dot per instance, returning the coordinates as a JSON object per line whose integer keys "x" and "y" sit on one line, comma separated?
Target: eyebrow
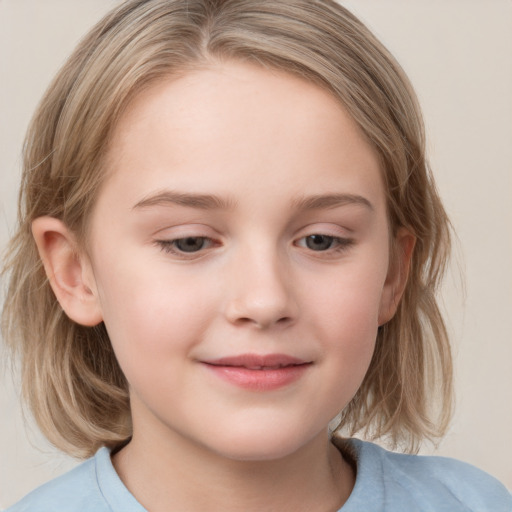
{"x": 328, "y": 201}
{"x": 200, "y": 201}
{"x": 213, "y": 202}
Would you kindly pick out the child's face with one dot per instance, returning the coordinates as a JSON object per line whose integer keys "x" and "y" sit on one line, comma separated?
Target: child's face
{"x": 245, "y": 216}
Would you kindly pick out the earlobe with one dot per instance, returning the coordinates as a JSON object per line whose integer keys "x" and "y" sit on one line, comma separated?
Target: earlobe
{"x": 69, "y": 273}
{"x": 398, "y": 273}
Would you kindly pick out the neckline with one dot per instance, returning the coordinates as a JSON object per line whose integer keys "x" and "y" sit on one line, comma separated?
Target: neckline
{"x": 119, "y": 498}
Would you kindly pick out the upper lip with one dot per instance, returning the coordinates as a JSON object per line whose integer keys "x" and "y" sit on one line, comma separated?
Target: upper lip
{"x": 257, "y": 362}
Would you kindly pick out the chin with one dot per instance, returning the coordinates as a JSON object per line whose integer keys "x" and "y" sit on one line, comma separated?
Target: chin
{"x": 262, "y": 444}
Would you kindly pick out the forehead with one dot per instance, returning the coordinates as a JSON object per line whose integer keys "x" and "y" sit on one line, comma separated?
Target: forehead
{"x": 237, "y": 125}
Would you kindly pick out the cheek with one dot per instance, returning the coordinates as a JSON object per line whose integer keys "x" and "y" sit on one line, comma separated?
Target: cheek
{"x": 349, "y": 300}
{"x": 149, "y": 312}
{"x": 349, "y": 328}
{"x": 346, "y": 320}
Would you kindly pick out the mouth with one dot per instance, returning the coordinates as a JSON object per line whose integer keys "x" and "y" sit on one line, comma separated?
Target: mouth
{"x": 258, "y": 362}
{"x": 259, "y": 372}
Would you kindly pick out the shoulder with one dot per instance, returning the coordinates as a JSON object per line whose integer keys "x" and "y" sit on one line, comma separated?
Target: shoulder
{"x": 76, "y": 490}
{"x": 428, "y": 482}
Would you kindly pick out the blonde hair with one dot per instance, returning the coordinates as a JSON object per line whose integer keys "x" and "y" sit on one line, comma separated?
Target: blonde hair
{"x": 70, "y": 377}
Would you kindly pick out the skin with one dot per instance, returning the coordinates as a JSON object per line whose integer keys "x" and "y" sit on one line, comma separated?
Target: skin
{"x": 263, "y": 143}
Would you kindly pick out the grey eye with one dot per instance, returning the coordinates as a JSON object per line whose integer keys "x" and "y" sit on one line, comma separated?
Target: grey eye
{"x": 319, "y": 242}
{"x": 191, "y": 243}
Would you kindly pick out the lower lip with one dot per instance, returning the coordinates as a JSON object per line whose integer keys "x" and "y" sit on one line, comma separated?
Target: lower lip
{"x": 259, "y": 380}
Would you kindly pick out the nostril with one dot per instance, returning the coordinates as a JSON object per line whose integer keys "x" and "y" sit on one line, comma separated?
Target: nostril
{"x": 262, "y": 322}
{"x": 262, "y": 311}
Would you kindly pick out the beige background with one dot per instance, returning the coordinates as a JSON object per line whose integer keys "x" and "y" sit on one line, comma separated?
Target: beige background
{"x": 458, "y": 54}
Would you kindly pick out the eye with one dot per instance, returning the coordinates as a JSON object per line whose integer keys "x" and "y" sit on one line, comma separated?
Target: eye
{"x": 187, "y": 245}
{"x": 319, "y": 242}
{"x": 322, "y": 243}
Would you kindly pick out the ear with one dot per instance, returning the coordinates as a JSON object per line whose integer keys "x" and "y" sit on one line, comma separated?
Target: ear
{"x": 398, "y": 273}
{"x": 70, "y": 273}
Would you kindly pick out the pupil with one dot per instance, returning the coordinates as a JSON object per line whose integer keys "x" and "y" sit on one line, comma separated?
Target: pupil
{"x": 190, "y": 244}
{"x": 319, "y": 242}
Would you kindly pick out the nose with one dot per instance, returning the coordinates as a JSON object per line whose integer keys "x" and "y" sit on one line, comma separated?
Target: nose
{"x": 261, "y": 291}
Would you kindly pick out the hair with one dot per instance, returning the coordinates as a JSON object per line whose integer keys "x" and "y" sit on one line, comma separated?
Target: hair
{"x": 70, "y": 377}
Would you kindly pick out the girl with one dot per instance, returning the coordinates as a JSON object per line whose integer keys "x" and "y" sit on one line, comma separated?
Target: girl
{"x": 229, "y": 237}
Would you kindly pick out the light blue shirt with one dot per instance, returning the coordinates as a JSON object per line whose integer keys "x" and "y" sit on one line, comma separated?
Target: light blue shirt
{"x": 385, "y": 482}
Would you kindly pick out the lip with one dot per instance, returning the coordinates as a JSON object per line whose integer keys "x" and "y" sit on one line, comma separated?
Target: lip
{"x": 259, "y": 372}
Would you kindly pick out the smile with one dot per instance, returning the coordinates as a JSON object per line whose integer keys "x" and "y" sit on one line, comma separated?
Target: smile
{"x": 257, "y": 372}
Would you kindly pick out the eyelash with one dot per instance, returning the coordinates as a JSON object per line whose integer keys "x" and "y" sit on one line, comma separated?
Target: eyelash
{"x": 337, "y": 245}
{"x": 169, "y": 246}
{"x": 340, "y": 244}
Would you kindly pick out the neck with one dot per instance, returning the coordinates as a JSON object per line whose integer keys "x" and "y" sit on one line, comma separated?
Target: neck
{"x": 189, "y": 477}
